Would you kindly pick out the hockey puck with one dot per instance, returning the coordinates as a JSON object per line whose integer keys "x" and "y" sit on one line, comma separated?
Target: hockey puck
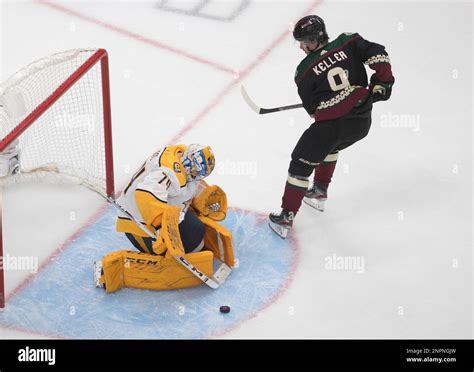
{"x": 224, "y": 309}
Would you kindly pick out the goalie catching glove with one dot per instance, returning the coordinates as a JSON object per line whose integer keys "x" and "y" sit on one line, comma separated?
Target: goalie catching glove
{"x": 210, "y": 201}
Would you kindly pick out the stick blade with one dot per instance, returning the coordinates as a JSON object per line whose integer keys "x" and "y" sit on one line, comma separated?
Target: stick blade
{"x": 222, "y": 273}
{"x": 249, "y": 101}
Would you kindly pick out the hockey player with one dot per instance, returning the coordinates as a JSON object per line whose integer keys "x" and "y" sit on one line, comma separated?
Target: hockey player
{"x": 169, "y": 196}
{"x": 332, "y": 84}
{"x": 169, "y": 177}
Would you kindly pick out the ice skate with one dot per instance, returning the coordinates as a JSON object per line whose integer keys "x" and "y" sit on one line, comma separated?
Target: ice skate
{"x": 316, "y": 196}
{"x": 281, "y": 223}
{"x": 98, "y": 273}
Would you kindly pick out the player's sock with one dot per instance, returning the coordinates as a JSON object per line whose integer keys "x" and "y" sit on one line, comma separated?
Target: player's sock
{"x": 324, "y": 171}
{"x": 317, "y": 195}
{"x": 295, "y": 190}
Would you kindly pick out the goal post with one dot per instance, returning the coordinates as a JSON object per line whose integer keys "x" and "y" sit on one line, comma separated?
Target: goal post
{"x": 56, "y": 111}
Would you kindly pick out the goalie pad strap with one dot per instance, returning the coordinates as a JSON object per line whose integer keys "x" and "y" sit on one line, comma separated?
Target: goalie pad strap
{"x": 144, "y": 245}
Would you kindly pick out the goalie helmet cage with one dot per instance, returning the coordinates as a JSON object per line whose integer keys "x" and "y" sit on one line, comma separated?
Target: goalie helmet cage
{"x": 57, "y": 112}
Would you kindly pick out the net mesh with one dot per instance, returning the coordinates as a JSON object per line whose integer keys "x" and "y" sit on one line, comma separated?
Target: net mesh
{"x": 66, "y": 143}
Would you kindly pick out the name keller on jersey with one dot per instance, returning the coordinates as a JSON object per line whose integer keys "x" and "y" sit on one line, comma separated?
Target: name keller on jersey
{"x": 328, "y": 62}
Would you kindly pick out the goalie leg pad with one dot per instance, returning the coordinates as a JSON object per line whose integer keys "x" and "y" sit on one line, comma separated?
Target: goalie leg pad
{"x": 218, "y": 240}
{"x": 140, "y": 270}
{"x": 112, "y": 267}
{"x": 169, "y": 232}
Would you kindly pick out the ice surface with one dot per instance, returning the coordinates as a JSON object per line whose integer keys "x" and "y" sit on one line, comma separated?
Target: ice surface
{"x": 66, "y": 304}
{"x": 400, "y": 202}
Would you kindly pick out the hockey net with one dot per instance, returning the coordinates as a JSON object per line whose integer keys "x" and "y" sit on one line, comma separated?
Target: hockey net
{"x": 56, "y": 111}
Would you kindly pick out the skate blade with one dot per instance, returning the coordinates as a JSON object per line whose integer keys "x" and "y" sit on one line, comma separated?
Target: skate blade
{"x": 281, "y": 231}
{"x": 97, "y": 274}
{"x": 315, "y": 203}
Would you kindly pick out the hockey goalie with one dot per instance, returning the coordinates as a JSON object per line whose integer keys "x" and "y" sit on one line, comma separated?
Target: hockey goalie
{"x": 168, "y": 196}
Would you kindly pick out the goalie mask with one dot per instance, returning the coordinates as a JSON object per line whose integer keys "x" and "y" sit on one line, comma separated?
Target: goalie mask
{"x": 198, "y": 161}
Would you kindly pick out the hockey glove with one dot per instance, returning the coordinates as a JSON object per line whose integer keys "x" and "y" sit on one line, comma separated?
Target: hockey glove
{"x": 211, "y": 202}
{"x": 381, "y": 91}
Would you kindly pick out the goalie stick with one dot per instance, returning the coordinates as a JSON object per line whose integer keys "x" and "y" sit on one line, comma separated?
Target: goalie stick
{"x": 260, "y": 110}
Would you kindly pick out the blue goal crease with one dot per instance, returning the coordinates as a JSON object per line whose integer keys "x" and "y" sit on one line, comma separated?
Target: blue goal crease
{"x": 62, "y": 300}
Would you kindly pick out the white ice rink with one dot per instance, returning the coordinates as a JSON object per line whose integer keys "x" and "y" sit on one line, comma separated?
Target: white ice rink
{"x": 400, "y": 201}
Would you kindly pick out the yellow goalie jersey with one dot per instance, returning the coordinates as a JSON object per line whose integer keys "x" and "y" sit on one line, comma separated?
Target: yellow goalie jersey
{"x": 160, "y": 182}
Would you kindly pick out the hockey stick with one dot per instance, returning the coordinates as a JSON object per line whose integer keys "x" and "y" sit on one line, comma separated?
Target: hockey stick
{"x": 260, "y": 110}
{"x": 215, "y": 282}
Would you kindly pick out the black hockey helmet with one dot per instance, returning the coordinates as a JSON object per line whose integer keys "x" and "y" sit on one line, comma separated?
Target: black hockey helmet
{"x": 309, "y": 29}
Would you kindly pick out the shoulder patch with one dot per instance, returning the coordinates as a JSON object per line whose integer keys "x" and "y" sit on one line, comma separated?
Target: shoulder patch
{"x": 170, "y": 160}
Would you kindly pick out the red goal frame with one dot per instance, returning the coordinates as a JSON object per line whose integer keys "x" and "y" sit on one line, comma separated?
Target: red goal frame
{"x": 100, "y": 56}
